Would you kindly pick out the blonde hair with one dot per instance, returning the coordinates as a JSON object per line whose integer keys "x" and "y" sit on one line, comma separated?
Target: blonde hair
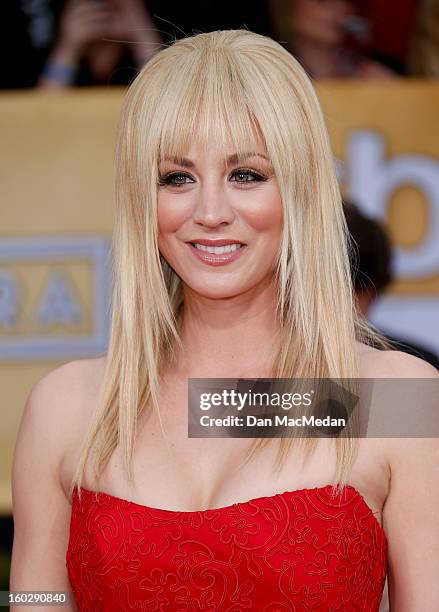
{"x": 223, "y": 85}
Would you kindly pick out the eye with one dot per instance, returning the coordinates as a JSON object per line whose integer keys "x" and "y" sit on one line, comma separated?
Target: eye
{"x": 245, "y": 175}
{"x": 175, "y": 179}
{"x": 242, "y": 176}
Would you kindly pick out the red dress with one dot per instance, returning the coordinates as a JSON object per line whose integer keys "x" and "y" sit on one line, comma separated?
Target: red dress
{"x": 303, "y": 550}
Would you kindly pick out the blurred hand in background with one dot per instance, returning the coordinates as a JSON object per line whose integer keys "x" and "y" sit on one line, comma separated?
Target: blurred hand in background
{"x": 97, "y": 32}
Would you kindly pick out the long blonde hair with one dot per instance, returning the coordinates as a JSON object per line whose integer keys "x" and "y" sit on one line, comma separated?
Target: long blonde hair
{"x": 223, "y": 85}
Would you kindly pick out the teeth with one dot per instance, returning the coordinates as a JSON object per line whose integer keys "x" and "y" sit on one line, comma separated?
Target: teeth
{"x": 218, "y": 250}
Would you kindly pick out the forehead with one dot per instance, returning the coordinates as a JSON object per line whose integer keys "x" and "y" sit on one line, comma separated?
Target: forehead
{"x": 194, "y": 155}
{"x": 218, "y": 135}
{"x": 227, "y": 151}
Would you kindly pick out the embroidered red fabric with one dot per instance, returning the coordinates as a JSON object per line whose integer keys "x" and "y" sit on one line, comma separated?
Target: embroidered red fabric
{"x": 302, "y": 550}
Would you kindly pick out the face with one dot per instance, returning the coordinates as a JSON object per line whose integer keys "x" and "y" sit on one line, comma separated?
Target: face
{"x": 320, "y": 21}
{"x": 220, "y": 225}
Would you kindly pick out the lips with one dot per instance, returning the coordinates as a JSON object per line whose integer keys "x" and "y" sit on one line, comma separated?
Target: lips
{"x": 217, "y": 252}
{"x": 215, "y": 242}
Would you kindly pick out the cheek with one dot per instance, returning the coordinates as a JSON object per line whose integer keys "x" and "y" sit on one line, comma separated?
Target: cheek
{"x": 265, "y": 212}
{"x": 171, "y": 214}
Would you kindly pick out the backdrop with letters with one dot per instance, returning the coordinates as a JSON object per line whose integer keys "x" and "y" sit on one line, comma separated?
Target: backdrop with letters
{"x": 56, "y": 212}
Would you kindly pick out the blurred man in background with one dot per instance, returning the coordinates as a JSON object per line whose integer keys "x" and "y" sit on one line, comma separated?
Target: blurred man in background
{"x": 328, "y": 37}
{"x": 371, "y": 272}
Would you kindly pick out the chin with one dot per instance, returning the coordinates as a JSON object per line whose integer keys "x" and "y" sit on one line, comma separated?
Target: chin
{"x": 216, "y": 290}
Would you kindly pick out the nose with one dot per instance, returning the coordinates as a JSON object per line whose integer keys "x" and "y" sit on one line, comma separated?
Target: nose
{"x": 212, "y": 206}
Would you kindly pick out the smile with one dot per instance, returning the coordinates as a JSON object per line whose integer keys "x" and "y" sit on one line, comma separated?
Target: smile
{"x": 218, "y": 250}
{"x": 219, "y": 255}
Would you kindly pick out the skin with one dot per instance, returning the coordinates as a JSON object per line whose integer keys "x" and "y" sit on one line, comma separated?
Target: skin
{"x": 219, "y": 202}
{"x": 227, "y": 330}
{"x": 318, "y": 36}
{"x": 320, "y": 22}
{"x": 97, "y": 31}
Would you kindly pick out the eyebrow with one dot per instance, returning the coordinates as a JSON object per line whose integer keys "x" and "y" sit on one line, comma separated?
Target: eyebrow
{"x": 231, "y": 159}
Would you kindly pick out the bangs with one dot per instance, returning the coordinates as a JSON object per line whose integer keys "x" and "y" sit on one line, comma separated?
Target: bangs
{"x": 209, "y": 105}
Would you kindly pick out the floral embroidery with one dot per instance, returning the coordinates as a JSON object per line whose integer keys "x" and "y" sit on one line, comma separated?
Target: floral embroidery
{"x": 300, "y": 551}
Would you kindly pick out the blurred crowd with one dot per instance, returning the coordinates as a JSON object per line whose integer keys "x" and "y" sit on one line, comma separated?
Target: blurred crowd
{"x": 62, "y": 43}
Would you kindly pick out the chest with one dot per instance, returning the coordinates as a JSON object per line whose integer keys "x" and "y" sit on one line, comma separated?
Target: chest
{"x": 176, "y": 472}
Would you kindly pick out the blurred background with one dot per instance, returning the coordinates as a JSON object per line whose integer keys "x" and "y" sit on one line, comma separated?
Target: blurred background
{"x": 65, "y": 68}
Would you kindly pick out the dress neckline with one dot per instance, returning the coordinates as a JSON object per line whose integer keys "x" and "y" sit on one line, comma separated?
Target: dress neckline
{"x": 254, "y": 500}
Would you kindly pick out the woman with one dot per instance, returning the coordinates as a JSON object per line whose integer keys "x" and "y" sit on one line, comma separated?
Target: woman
{"x": 327, "y": 37}
{"x": 221, "y": 138}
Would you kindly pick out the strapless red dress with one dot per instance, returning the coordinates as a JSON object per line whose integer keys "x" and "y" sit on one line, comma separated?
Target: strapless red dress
{"x": 303, "y": 550}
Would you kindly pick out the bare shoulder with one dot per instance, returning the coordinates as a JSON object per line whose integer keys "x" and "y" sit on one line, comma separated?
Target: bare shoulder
{"x": 415, "y": 458}
{"x": 67, "y": 384}
{"x": 55, "y": 410}
{"x": 390, "y": 364}
{"x": 375, "y": 363}
{"x": 67, "y": 376}
{"x": 60, "y": 401}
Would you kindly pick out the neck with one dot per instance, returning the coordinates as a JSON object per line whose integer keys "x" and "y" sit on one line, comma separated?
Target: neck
{"x": 229, "y": 336}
